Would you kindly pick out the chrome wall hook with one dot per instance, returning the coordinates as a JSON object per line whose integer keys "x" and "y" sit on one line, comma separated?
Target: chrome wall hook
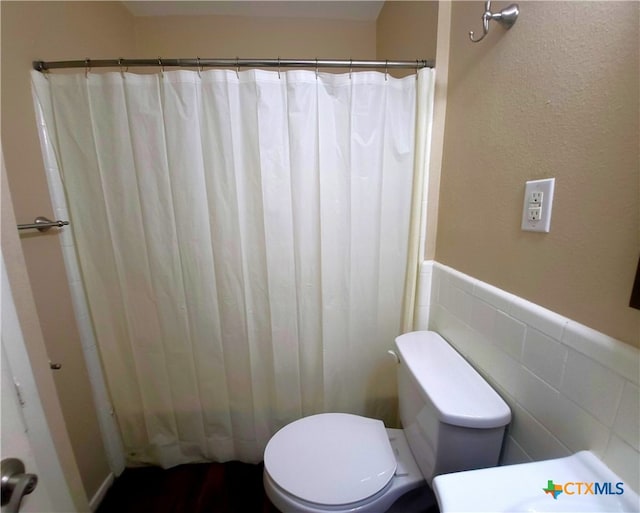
{"x": 506, "y": 17}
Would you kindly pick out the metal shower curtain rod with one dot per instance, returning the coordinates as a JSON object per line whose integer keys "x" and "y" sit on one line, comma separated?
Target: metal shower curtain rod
{"x": 236, "y": 63}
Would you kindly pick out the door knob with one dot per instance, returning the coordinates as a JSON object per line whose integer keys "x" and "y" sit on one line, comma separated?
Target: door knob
{"x": 15, "y": 483}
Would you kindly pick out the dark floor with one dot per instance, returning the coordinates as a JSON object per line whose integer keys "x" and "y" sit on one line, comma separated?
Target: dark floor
{"x": 231, "y": 487}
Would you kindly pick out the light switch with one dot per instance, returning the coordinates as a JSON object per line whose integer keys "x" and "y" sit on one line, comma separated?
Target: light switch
{"x": 538, "y": 200}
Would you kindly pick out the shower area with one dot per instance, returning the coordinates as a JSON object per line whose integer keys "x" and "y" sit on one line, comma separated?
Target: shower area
{"x": 243, "y": 240}
{"x": 243, "y": 237}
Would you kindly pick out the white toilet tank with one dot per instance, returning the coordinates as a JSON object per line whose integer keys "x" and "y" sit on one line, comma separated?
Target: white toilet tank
{"x": 452, "y": 418}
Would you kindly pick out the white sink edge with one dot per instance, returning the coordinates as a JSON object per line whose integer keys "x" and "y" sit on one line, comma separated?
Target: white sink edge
{"x": 521, "y": 487}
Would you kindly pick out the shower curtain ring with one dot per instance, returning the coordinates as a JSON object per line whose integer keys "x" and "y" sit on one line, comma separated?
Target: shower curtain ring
{"x": 386, "y": 69}
{"x": 237, "y": 67}
{"x": 121, "y": 66}
{"x": 278, "y": 67}
{"x": 161, "y": 66}
{"x": 350, "y": 68}
{"x": 316, "y": 68}
{"x": 87, "y": 67}
{"x": 199, "y": 67}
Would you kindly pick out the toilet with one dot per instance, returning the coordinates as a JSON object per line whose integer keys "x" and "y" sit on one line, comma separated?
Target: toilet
{"x": 337, "y": 462}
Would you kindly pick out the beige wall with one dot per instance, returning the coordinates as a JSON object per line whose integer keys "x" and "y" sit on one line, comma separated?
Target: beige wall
{"x": 407, "y": 30}
{"x": 50, "y": 31}
{"x": 34, "y": 344}
{"x": 236, "y": 36}
{"x": 556, "y": 96}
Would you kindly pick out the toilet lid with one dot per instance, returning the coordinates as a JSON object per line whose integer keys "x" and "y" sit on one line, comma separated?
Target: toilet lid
{"x": 331, "y": 458}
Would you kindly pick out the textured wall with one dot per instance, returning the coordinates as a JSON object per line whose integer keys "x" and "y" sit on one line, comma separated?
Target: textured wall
{"x": 407, "y": 30}
{"x": 556, "y": 96}
{"x": 245, "y": 37}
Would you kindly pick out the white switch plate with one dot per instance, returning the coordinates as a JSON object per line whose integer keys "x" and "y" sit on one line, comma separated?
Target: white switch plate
{"x": 538, "y": 200}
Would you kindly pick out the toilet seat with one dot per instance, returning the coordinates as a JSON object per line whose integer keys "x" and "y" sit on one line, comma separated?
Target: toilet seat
{"x": 331, "y": 459}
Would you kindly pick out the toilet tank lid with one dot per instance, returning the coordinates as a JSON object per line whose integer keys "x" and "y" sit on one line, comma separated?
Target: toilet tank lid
{"x": 460, "y": 395}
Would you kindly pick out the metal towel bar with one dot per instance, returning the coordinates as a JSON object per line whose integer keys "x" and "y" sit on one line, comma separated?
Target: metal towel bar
{"x": 42, "y": 224}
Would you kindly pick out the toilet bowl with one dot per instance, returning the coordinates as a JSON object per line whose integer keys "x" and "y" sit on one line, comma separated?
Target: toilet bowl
{"x": 337, "y": 462}
{"x": 352, "y": 464}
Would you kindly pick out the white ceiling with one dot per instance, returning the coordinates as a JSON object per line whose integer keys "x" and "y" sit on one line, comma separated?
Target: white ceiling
{"x": 359, "y": 10}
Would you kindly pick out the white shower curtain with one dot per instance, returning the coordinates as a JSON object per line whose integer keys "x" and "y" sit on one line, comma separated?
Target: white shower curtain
{"x": 243, "y": 241}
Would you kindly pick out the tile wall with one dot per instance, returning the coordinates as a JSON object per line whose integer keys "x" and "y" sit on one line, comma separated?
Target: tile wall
{"x": 569, "y": 387}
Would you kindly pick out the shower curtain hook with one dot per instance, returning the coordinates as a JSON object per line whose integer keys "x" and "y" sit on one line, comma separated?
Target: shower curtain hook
{"x": 161, "y": 66}
{"x": 350, "y": 68}
{"x": 386, "y": 69}
{"x": 87, "y": 67}
{"x": 316, "y": 68}
{"x": 417, "y": 68}
{"x": 199, "y": 67}
{"x": 278, "y": 67}
{"x": 237, "y": 68}
{"x": 121, "y": 66}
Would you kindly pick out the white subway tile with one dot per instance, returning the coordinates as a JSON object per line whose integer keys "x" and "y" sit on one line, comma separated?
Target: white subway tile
{"x": 421, "y": 322}
{"x": 543, "y": 320}
{"x": 575, "y": 427}
{"x": 458, "y": 334}
{"x": 438, "y": 317}
{"x": 483, "y": 318}
{"x": 436, "y": 278}
{"x": 461, "y": 280}
{"x": 624, "y": 461}
{"x": 458, "y": 302}
{"x": 496, "y": 297}
{"x": 506, "y": 394}
{"x": 513, "y": 453}
{"x": 569, "y": 423}
{"x": 426, "y": 266}
{"x": 499, "y": 366}
{"x": 537, "y": 397}
{"x": 627, "y": 423}
{"x": 509, "y": 335}
{"x": 611, "y": 353}
{"x": 564, "y": 382}
{"x": 592, "y": 386}
{"x": 442, "y": 297}
{"x": 535, "y": 439}
{"x": 424, "y": 287}
{"x": 544, "y": 356}
{"x": 441, "y": 321}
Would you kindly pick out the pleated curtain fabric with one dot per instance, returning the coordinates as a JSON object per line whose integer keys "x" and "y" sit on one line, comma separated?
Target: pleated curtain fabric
{"x": 243, "y": 243}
